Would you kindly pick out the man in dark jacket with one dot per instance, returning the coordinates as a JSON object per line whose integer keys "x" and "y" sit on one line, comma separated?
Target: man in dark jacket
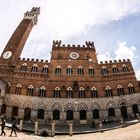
{"x": 3, "y": 122}
{"x": 14, "y": 128}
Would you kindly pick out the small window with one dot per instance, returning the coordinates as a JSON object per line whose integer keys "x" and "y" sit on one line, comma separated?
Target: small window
{"x": 104, "y": 71}
{"x": 42, "y": 92}
{"x": 23, "y": 67}
{"x": 131, "y": 88}
{"x": 45, "y": 69}
{"x": 34, "y": 68}
{"x": 108, "y": 91}
{"x": 58, "y": 70}
{"x": 69, "y": 92}
{"x": 57, "y": 92}
{"x": 81, "y": 92}
{"x": 120, "y": 90}
{"x": 115, "y": 69}
{"x": 80, "y": 70}
{"x": 18, "y": 89}
{"x": 30, "y": 90}
{"x": 124, "y": 68}
{"x": 91, "y": 71}
{"x": 94, "y": 93}
{"x": 69, "y": 70}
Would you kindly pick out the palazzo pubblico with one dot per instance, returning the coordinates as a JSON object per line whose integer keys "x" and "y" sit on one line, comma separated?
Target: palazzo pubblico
{"x": 72, "y": 87}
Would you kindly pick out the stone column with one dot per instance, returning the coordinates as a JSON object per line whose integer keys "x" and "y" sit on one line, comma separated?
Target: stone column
{"x": 53, "y": 129}
{"x": 89, "y": 117}
{"x": 8, "y": 112}
{"x": 71, "y": 129}
{"x": 21, "y": 125}
{"x": 33, "y": 114}
{"x": 129, "y": 111}
{"x": 36, "y": 128}
{"x": 117, "y": 113}
{"x": 21, "y": 113}
{"x": 76, "y": 118}
{"x": 100, "y": 126}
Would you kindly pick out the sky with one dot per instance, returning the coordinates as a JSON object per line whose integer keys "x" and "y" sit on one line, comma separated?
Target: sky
{"x": 113, "y": 25}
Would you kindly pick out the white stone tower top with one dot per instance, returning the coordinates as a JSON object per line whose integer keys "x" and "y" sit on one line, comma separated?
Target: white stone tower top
{"x": 33, "y": 14}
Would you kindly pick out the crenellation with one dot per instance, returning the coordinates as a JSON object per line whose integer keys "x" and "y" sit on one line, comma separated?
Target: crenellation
{"x": 28, "y": 59}
{"x": 120, "y": 60}
{"x": 106, "y": 62}
{"x": 110, "y": 61}
{"x": 32, "y": 59}
{"x": 128, "y": 60}
{"x": 124, "y": 60}
{"x": 37, "y": 60}
{"x": 115, "y": 61}
{"x": 56, "y": 43}
{"x": 89, "y": 44}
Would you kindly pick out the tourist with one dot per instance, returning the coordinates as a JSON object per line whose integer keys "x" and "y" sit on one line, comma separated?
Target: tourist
{"x": 93, "y": 124}
{"x": 14, "y": 128}
{"x": 3, "y": 122}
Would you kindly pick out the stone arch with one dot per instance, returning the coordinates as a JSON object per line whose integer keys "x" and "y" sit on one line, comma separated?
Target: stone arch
{"x": 56, "y": 106}
{"x": 82, "y": 106}
{"x": 69, "y": 106}
{"x": 123, "y": 103}
{"x": 41, "y": 106}
{"x": 95, "y": 106}
{"x": 15, "y": 102}
{"x": 28, "y": 104}
{"x": 110, "y": 104}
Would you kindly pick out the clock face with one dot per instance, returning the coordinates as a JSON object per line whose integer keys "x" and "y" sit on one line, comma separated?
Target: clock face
{"x": 74, "y": 55}
{"x": 7, "y": 54}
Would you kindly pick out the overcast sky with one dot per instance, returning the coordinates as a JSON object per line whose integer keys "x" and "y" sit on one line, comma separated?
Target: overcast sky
{"x": 113, "y": 25}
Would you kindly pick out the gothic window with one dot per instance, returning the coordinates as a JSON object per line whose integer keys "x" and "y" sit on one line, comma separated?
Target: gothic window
{"x": 18, "y": 89}
{"x": 40, "y": 114}
{"x": 131, "y": 88}
{"x": 23, "y": 67}
{"x": 56, "y": 114}
{"x": 81, "y": 92}
{"x": 45, "y": 69}
{"x": 115, "y": 69}
{"x": 8, "y": 86}
{"x": 69, "y": 70}
{"x": 42, "y": 92}
{"x": 34, "y": 68}
{"x": 30, "y": 90}
{"x": 69, "y": 92}
{"x": 69, "y": 115}
{"x": 120, "y": 90}
{"x": 80, "y": 70}
{"x": 91, "y": 71}
{"x": 104, "y": 70}
{"x": 108, "y": 91}
{"x": 83, "y": 115}
{"x": 58, "y": 70}
{"x": 94, "y": 93}
{"x": 57, "y": 92}
{"x": 124, "y": 68}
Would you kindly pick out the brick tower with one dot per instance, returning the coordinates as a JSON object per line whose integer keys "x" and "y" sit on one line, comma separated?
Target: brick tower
{"x": 17, "y": 41}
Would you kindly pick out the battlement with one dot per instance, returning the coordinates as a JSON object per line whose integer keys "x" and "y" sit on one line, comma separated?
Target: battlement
{"x": 114, "y": 61}
{"x": 88, "y": 44}
{"x": 33, "y": 15}
{"x": 32, "y": 60}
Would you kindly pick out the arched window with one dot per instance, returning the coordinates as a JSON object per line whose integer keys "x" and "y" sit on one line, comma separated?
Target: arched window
{"x": 18, "y": 89}
{"x": 8, "y": 86}
{"x": 57, "y": 92}
{"x": 104, "y": 70}
{"x": 34, "y": 68}
{"x": 94, "y": 93}
{"x": 80, "y": 70}
{"x": 90, "y": 70}
{"x": 83, "y": 115}
{"x": 58, "y": 70}
{"x": 23, "y": 67}
{"x": 131, "y": 88}
{"x": 45, "y": 69}
{"x": 69, "y": 70}
{"x": 69, "y": 92}
{"x": 30, "y": 90}
{"x": 42, "y": 92}
{"x": 108, "y": 91}
{"x": 40, "y": 114}
{"x": 115, "y": 69}
{"x": 69, "y": 115}
{"x": 124, "y": 68}
{"x": 56, "y": 115}
{"x": 95, "y": 114}
{"x": 81, "y": 92}
{"x": 120, "y": 90}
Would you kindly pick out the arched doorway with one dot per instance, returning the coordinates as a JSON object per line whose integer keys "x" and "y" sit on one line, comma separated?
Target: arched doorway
{"x": 69, "y": 115}
{"x": 14, "y": 112}
{"x": 3, "y": 109}
{"x": 27, "y": 114}
{"x": 124, "y": 112}
{"x": 40, "y": 114}
{"x": 83, "y": 115}
{"x": 95, "y": 114}
{"x": 111, "y": 112}
{"x": 135, "y": 109}
{"x": 56, "y": 115}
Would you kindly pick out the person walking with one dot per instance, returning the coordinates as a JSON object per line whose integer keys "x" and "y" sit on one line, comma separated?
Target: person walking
{"x": 14, "y": 128}
{"x": 3, "y": 122}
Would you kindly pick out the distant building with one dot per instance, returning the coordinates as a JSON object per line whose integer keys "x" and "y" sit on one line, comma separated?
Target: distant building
{"x": 72, "y": 87}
